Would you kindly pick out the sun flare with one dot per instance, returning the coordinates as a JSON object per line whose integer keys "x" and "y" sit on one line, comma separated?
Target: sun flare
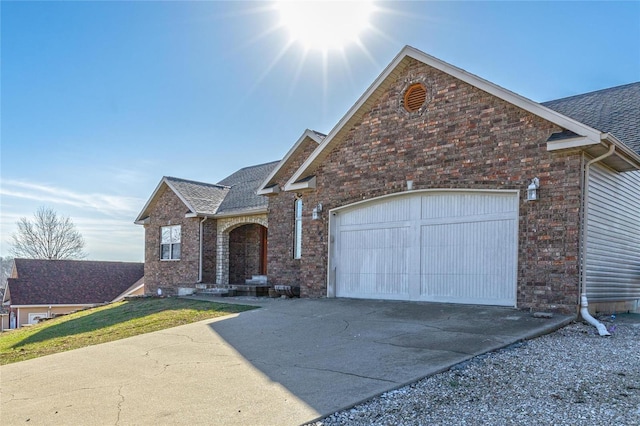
{"x": 325, "y": 25}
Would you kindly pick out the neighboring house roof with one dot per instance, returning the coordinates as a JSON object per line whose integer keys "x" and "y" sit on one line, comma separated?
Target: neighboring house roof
{"x": 269, "y": 186}
{"x": 615, "y": 110}
{"x": 244, "y": 183}
{"x": 589, "y": 138}
{"x": 71, "y": 282}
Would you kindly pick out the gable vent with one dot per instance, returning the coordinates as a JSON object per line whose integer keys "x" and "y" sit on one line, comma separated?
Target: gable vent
{"x": 414, "y": 97}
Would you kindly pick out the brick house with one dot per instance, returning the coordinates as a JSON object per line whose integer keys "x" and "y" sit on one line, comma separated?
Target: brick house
{"x": 202, "y": 233}
{"x": 420, "y": 193}
{"x": 39, "y": 288}
{"x": 438, "y": 185}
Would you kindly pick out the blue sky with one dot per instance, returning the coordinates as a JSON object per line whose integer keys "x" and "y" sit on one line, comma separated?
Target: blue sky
{"x": 101, "y": 99}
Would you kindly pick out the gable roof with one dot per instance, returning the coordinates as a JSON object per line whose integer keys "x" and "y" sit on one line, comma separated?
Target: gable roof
{"x": 624, "y": 159}
{"x": 268, "y": 186}
{"x": 235, "y": 194}
{"x": 71, "y": 282}
{"x": 243, "y": 184}
{"x": 199, "y": 197}
{"x": 615, "y": 110}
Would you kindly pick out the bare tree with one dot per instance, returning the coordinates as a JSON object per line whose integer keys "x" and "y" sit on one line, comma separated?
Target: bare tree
{"x": 6, "y": 266}
{"x": 48, "y": 236}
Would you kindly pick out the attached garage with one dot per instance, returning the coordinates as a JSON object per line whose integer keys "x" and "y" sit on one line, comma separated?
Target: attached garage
{"x": 458, "y": 246}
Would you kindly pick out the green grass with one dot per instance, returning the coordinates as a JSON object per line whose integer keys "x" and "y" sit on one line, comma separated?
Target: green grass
{"x": 105, "y": 324}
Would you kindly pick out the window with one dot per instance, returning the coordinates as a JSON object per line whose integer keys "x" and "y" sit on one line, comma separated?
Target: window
{"x": 297, "y": 244}
{"x": 170, "y": 242}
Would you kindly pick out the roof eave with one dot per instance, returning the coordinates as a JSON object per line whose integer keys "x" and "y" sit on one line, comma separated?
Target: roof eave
{"x": 305, "y": 185}
{"x": 270, "y": 190}
{"x": 199, "y": 214}
{"x": 243, "y": 212}
{"x": 144, "y": 221}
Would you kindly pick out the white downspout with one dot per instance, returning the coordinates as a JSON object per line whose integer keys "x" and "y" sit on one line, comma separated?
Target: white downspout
{"x": 201, "y": 256}
{"x": 584, "y": 303}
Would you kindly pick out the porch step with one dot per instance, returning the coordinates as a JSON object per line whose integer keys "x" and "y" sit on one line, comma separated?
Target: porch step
{"x": 257, "y": 280}
{"x": 219, "y": 292}
{"x": 225, "y": 290}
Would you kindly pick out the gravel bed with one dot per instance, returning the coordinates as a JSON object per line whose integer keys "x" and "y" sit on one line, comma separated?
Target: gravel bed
{"x": 569, "y": 377}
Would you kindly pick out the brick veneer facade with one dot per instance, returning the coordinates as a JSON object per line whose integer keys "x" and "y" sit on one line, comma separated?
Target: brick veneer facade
{"x": 462, "y": 138}
{"x": 169, "y": 275}
{"x": 282, "y": 267}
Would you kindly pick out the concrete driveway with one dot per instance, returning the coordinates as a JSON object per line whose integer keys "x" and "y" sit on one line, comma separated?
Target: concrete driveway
{"x": 287, "y": 363}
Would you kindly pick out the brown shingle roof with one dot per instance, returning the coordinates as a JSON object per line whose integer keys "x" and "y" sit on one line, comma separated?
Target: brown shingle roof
{"x": 75, "y": 282}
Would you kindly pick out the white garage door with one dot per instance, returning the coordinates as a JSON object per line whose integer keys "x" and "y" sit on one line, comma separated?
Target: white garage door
{"x": 440, "y": 246}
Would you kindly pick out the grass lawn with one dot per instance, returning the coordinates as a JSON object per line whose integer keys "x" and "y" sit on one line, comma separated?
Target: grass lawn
{"x": 105, "y": 324}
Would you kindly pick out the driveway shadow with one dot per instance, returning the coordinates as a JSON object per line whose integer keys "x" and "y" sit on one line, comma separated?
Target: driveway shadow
{"x": 334, "y": 353}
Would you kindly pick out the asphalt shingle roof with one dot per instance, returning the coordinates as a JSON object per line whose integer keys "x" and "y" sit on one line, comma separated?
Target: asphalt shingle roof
{"x": 244, "y": 184}
{"x": 205, "y": 198}
{"x": 75, "y": 282}
{"x": 615, "y": 110}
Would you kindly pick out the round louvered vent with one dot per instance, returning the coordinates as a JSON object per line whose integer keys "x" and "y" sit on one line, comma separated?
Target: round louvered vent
{"x": 414, "y": 97}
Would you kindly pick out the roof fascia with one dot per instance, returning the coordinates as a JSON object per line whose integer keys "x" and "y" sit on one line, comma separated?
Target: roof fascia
{"x": 630, "y": 156}
{"x": 263, "y": 190}
{"x": 246, "y": 212}
{"x": 192, "y": 215}
{"x": 410, "y": 52}
{"x": 574, "y": 142}
{"x": 270, "y": 190}
{"x": 305, "y": 185}
{"x": 139, "y": 220}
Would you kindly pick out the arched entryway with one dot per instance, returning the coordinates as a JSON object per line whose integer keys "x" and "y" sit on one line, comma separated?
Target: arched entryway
{"x": 241, "y": 248}
{"x": 247, "y": 252}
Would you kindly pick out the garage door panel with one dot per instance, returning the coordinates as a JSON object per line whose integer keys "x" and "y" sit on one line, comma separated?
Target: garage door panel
{"x": 374, "y": 262}
{"x": 378, "y": 213}
{"x": 472, "y": 261}
{"x": 451, "y": 205}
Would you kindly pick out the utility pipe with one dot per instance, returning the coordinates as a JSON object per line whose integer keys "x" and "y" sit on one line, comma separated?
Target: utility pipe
{"x": 584, "y": 303}
{"x": 201, "y": 256}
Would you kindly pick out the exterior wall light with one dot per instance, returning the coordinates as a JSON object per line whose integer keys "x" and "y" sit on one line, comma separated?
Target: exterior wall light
{"x": 315, "y": 214}
{"x": 409, "y": 185}
{"x": 532, "y": 189}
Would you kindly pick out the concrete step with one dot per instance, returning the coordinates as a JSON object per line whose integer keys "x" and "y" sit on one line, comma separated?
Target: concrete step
{"x": 257, "y": 279}
{"x": 219, "y": 292}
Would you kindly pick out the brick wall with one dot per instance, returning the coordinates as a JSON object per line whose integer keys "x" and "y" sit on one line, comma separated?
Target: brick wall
{"x": 282, "y": 267}
{"x": 462, "y": 138}
{"x": 170, "y": 274}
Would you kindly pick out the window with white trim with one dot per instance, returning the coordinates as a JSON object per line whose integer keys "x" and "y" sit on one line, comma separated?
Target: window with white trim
{"x": 297, "y": 238}
{"x": 170, "y": 242}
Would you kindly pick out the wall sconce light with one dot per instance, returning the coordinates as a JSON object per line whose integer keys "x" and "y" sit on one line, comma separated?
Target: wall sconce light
{"x": 532, "y": 189}
{"x": 315, "y": 214}
{"x": 409, "y": 185}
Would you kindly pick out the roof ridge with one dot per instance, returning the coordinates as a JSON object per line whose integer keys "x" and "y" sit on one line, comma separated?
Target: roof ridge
{"x": 195, "y": 181}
